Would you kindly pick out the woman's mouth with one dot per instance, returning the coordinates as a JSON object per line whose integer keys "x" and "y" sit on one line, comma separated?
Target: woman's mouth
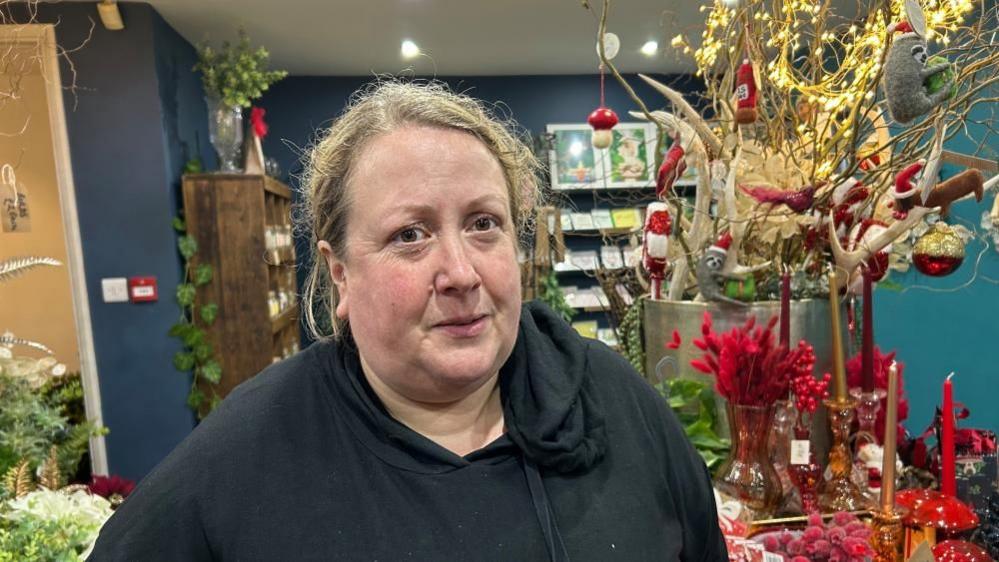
{"x": 464, "y": 327}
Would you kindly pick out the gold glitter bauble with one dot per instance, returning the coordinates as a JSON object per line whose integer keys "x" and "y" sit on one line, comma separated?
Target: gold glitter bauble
{"x": 939, "y": 252}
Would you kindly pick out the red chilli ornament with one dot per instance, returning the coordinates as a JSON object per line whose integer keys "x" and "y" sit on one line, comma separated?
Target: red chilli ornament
{"x": 602, "y": 120}
{"x": 938, "y": 252}
{"x": 745, "y": 92}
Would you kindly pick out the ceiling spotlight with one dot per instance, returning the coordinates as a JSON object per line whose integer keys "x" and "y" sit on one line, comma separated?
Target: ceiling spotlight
{"x": 409, "y": 49}
{"x": 649, "y": 48}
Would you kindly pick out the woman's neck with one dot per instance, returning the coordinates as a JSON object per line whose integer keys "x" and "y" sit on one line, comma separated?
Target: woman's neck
{"x": 460, "y": 426}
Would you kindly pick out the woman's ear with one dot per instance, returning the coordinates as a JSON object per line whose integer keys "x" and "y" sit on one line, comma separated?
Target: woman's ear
{"x": 338, "y": 274}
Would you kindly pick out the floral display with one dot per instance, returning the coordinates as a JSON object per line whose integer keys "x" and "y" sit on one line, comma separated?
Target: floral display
{"x": 844, "y": 539}
{"x": 47, "y": 525}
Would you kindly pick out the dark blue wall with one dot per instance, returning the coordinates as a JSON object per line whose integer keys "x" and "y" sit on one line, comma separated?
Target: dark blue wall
{"x": 123, "y": 145}
{"x": 934, "y": 331}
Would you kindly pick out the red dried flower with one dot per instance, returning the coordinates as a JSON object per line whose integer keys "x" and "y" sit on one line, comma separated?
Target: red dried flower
{"x": 676, "y": 341}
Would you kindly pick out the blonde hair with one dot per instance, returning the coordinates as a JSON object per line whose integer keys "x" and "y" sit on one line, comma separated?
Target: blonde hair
{"x": 377, "y": 109}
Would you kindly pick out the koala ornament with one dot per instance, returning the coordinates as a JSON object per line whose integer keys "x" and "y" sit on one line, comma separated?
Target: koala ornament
{"x": 906, "y": 71}
{"x": 710, "y": 279}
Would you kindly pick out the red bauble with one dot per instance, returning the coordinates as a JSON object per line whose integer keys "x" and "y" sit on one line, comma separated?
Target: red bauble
{"x": 960, "y": 551}
{"x": 939, "y": 252}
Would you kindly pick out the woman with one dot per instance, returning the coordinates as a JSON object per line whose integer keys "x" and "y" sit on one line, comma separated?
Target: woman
{"x": 442, "y": 420}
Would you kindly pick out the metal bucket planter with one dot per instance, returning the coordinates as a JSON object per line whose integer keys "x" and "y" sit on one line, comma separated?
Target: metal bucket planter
{"x": 809, "y": 321}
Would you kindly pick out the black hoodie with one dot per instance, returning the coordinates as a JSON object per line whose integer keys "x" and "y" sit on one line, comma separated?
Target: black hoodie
{"x": 304, "y": 463}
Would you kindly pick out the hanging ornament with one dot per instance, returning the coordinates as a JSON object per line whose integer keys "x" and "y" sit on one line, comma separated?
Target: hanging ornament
{"x": 602, "y": 119}
{"x": 939, "y": 251}
{"x": 861, "y": 236}
{"x": 745, "y": 93}
{"x": 671, "y": 169}
{"x": 611, "y": 46}
{"x": 655, "y": 244}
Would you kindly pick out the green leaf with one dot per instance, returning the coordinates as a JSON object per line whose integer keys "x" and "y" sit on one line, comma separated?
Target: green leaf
{"x": 209, "y": 313}
{"x": 193, "y": 166}
{"x": 202, "y": 275}
{"x": 185, "y": 294}
{"x": 195, "y": 398}
{"x": 211, "y": 371}
{"x": 183, "y": 361}
{"x": 179, "y": 225}
{"x": 202, "y": 352}
{"x": 194, "y": 337}
{"x": 187, "y": 245}
{"x": 179, "y": 330}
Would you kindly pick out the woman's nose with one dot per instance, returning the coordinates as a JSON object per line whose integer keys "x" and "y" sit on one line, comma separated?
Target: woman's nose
{"x": 456, "y": 272}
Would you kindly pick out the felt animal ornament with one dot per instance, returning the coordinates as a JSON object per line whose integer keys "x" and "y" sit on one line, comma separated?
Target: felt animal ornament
{"x": 745, "y": 93}
{"x": 710, "y": 278}
{"x": 861, "y": 236}
{"x": 671, "y": 169}
{"x": 906, "y": 72}
{"x": 798, "y": 201}
{"x": 968, "y": 182}
{"x": 655, "y": 244}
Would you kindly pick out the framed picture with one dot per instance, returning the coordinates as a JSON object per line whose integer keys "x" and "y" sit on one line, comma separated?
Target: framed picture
{"x": 572, "y": 159}
{"x": 628, "y": 161}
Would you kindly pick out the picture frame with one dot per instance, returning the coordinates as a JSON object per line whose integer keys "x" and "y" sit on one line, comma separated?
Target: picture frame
{"x": 572, "y": 159}
{"x": 629, "y": 159}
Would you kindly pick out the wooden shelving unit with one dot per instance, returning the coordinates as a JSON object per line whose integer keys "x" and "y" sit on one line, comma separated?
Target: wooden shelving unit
{"x": 242, "y": 224}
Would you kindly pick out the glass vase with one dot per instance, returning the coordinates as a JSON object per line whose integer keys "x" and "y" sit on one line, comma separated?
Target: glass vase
{"x": 806, "y": 476}
{"x": 748, "y": 474}
{"x": 225, "y": 131}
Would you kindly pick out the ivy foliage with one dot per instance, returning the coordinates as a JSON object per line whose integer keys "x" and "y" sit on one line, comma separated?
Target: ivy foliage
{"x": 551, "y": 294}
{"x": 197, "y": 355}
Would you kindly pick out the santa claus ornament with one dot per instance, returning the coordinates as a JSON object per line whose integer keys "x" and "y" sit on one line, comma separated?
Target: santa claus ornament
{"x": 939, "y": 251}
{"x": 861, "y": 235}
{"x": 655, "y": 244}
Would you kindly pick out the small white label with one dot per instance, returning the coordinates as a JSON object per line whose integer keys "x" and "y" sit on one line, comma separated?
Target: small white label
{"x": 800, "y": 449}
{"x": 771, "y": 557}
{"x": 141, "y": 291}
{"x": 115, "y": 289}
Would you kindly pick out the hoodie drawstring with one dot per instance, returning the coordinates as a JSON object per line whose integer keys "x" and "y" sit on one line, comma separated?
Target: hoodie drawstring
{"x": 546, "y": 516}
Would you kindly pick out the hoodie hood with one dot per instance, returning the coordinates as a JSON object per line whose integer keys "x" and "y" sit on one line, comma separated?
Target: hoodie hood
{"x": 551, "y": 411}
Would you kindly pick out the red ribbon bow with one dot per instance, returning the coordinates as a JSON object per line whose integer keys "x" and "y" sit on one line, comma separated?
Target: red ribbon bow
{"x": 257, "y": 120}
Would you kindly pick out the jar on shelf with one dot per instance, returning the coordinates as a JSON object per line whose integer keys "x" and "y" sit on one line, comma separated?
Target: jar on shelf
{"x": 272, "y": 303}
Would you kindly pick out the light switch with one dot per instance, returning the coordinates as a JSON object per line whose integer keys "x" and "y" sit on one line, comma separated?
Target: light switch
{"x": 115, "y": 289}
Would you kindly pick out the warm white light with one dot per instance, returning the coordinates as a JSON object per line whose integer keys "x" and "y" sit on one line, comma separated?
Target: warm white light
{"x": 409, "y": 49}
{"x": 650, "y": 48}
{"x": 576, "y": 148}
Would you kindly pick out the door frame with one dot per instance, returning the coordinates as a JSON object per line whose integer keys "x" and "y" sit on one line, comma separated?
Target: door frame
{"x": 42, "y": 37}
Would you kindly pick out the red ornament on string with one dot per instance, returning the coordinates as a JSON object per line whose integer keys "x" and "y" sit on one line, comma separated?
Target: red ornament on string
{"x": 602, "y": 119}
{"x": 938, "y": 252}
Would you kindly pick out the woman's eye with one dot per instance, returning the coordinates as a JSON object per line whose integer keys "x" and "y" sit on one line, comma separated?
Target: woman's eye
{"x": 485, "y": 223}
{"x": 410, "y": 235}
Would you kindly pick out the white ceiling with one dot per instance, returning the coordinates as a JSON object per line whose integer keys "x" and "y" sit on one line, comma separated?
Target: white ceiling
{"x": 458, "y": 37}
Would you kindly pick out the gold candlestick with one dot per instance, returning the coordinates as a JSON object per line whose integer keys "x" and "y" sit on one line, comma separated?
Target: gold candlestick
{"x": 886, "y": 536}
{"x": 887, "y": 533}
{"x": 839, "y": 371}
{"x": 839, "y": 493}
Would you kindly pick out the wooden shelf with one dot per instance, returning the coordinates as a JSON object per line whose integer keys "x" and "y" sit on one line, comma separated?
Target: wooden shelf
{"x": 281, "y": 321}
{"x": 276, "y": 187}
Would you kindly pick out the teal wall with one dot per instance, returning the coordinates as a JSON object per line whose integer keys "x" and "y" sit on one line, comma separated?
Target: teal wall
{"x": 939, "y": 325}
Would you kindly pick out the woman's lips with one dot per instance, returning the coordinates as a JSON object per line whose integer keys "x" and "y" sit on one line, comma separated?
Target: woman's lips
{"x": 462, "y": 328}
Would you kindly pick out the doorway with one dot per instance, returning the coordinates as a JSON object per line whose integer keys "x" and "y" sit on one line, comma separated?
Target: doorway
{"x": 47, "y": 304}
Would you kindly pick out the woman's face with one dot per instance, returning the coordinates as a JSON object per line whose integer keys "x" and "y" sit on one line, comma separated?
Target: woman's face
{"x": 430, "y": 282}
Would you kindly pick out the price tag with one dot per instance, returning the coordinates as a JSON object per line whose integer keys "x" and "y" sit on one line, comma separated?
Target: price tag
{"x": 800, "y": 449}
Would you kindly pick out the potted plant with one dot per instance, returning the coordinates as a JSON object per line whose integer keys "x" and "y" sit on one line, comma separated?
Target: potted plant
{"x": 232, "y": 76}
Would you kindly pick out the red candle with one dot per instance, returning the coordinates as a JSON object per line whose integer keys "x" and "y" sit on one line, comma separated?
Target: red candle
{"x": 867, "y": 349}
{"x": 948, "y": 482}
{"x": 785, "y": 309}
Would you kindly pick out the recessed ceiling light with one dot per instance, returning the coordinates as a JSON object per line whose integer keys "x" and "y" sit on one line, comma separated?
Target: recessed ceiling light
{"x": 409, "y": 49}
{"x": 650, "y": 48}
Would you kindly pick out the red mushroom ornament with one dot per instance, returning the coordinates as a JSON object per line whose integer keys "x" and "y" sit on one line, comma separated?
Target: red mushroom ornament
{"x": 602, "y": 120}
